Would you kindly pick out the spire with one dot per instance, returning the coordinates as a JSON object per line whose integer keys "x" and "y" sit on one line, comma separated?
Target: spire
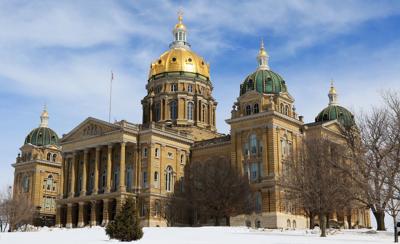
{"x": 179, "y": 33}
{"x": 44, "y": 117}
{"x": 262, "y": 57}
{"x": 332, "y": 95}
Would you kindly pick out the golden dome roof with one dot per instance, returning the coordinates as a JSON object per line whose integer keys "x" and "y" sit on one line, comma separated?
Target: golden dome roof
{"x": 179, "y": 59}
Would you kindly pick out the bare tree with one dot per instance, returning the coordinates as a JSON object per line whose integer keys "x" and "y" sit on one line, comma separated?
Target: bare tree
{"x": 211, "y": 189}
{"x": 375, "y": 151}
{"x": 312, "y": 177}
{"x": 5, "y": 199}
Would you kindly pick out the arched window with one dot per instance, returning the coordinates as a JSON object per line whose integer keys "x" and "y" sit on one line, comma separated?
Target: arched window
{"x": 255, "y": 108}
{"x": 257, "y": 224}
{"x": 294, "y": 225}
{"x": 250, "y": 85}
{"x": 158, "y": 112}
{"x": 174, "y": 87}
{"x": 157, "y": 152}
{"x": 248, "y": 110}
{"x": 288, "y": 224}
{"x": 258, "y": 202}
{"x": 173, "y": 110}
{"x": 54, "y": 157}
{"x": 116, "y": 177}
{"x": 168, "y": 178}
{"x": 49, "y": 182}
{"x": 281, "y": 108}
{"x": 25, "y": 183}
{"x": 48, "y": 156}
{"x": 190, "y": 111}
{"x": 253, "y": 144}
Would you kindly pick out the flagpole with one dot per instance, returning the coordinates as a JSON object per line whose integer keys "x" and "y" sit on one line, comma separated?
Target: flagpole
{"x": 109, "y": 109}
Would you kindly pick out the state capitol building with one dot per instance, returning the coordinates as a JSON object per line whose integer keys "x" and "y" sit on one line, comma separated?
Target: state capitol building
{"x": 83, "y": 178}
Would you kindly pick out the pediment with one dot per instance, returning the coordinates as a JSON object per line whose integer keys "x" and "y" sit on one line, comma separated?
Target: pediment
{"x": 250, "y": 95}
{"x": 333, "y": 126}
{"x": 286, "y": 95}
{"x": 91, "y": 127}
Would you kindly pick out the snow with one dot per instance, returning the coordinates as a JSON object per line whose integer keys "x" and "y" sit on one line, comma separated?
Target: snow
{"x": 200, "y": 235}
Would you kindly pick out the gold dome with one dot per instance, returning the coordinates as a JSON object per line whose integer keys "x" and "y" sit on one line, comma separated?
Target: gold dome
{"x": 179, "y": 59}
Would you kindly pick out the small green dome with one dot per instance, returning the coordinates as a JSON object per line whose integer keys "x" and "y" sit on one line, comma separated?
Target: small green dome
{"x": 42, "y": 136}
{"x": 332, "y": 112}
{"x": 263, "y": 81}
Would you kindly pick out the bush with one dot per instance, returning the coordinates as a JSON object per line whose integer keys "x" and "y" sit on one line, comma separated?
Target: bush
{"x": 126, "y": 226}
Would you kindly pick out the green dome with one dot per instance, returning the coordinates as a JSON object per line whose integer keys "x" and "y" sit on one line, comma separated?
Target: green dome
{"x": 332, "y": 112}
{"x": 42, "y": 136}
{"x": 263, "y": 81}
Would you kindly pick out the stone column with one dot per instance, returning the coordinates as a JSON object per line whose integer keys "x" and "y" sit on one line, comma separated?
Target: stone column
{"x": 96, "y": 171}
{"x": 81, "y": 222}
{"x": 93, "y": 213}
{"x": 84, "y": 170}
{"x": 72, "y": 190}
{"x": 109, "y": 155}
{"x": 105, "y": 212}
{"x": 69, "y": 216}
{"x": 62, "y": 177}
{"x": 122, "y": 186}
{"x": 58, "y": 216}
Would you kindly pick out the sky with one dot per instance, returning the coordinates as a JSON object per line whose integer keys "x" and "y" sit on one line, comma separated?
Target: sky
{"x": 61, "y": 53}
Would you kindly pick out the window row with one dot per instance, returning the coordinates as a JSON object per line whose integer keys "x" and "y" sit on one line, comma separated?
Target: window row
{"x": 169, "y": 179}
{"x": 48, "y": 203}
{"x": 51, "y": 157}
{"x": 252, "y": 109}
{"x": 190, "y": 111}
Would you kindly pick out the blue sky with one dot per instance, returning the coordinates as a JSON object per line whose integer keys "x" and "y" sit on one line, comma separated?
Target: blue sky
{"x": 61, "y": 53}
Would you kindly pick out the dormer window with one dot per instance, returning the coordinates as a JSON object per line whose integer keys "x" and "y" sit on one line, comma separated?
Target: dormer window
{"x": 255, "y": 108}
{"x": 248, "y": 110}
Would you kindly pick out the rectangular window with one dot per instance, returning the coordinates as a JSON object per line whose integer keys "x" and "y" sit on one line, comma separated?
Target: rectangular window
{"x": 254, "y": 171}
{"x": 157, "y": 152}
{"x": 145, "y": 152}
{"x": 190, "y": 88}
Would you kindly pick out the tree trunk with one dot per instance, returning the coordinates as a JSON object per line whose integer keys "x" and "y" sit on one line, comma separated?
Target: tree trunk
{"x": 327, "y": 221}
{"x": 228, "y": 221}
{"x": 312, "y": 221}
{"x": 349, "y": 221}
{"x": 322, "y": 223}
{"x": 380, "y": 219}
{"x": 216, "y": 221}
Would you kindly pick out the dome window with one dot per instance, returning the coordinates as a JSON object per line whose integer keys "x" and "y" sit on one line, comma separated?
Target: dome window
{"x": 173, "y": 59}
{"x": 159, "y": 61}
{"x": 202, "y": 62}
{"x": 190, "y": 60}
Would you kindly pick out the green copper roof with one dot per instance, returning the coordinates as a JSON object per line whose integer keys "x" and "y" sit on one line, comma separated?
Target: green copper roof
{"x": 332, "y": 112}
{"x": 263, "y": 81}
{"x": 42, "y": 136}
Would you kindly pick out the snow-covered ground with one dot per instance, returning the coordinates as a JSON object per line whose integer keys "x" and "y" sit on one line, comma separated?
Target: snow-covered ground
{"x": 202, "y": 235}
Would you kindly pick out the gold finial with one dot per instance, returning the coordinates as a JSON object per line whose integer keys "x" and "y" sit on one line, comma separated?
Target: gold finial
{"x": 262, "y": 49}
{"x": 180, "y": 24}
{"x": 180, "y": 16}
{"x": 333, "y": 89}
